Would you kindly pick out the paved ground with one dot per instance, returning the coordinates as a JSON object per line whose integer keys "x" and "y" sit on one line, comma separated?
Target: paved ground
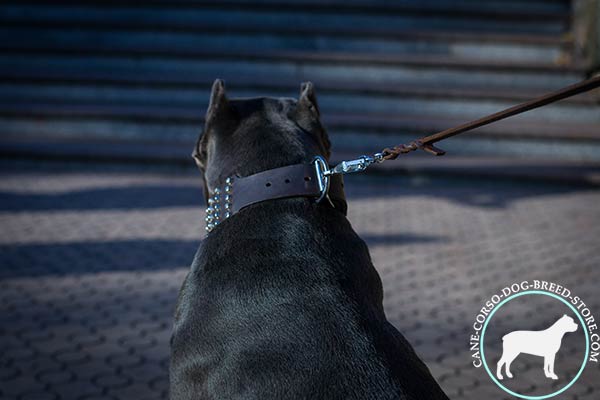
{"x": 91, "y": 261}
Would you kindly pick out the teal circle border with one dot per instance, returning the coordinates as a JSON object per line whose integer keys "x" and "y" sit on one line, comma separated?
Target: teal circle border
{"x": 587, "y": 346}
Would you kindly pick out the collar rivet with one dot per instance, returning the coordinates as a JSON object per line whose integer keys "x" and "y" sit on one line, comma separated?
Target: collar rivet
{"x": 216, "y": 203}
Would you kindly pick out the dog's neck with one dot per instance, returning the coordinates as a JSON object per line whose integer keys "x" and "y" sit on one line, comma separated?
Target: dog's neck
{"x": 298, "y": 180}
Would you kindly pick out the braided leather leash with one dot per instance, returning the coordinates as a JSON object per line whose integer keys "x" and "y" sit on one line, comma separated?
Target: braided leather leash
{"x": 427, "y": 143}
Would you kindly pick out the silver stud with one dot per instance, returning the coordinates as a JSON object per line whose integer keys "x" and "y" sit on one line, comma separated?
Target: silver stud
{"x": 209, "y": 218}
{"x": 227, "y": 198}
{"x": 227, "y": 214}
{"x": 217, "y": 191}
{"x": 211, "y": 200}
{"x": 216, "y": 215}
{"x": 227, "y": 188}
{"x": 228, "y": 180}
{"x": 210, "y": 210}
{"x": 227, "y": 206}
{"x": 217, "y": 207}
{"x": 209, "y": 227}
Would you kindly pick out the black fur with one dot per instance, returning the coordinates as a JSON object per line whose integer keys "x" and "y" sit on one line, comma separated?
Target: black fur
{"x": 282, "y": 300}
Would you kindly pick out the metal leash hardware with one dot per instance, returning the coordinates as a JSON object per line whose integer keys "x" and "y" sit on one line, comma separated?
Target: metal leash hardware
{"x": 357, "y": 165}
{"x": 361, "y": 163}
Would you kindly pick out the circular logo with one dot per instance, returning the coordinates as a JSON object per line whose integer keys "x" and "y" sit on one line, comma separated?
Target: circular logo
{"x": 534, "y": 340}
{"x": 523, "y": 342}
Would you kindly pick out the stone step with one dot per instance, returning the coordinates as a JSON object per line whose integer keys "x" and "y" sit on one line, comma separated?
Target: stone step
{"x": 359, "y": 133}
{"x": 149, "y": 115}
{"x": 334, "y": 16}
{"x": 484, "y": 47}
{"x": 27, "y": 84}
{"x": 388, "y": 69}
{"x": 22, "y": 80}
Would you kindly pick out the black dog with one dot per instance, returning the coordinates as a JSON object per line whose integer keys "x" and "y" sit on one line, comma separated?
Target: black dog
{"x": 282, "y": 300}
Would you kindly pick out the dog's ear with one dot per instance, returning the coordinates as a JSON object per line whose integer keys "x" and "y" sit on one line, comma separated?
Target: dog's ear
{"x": 308, "y": 116}
{"x": 308, "y": 98}
{"x": 218, "y": 110}
{"x": 219, "y": 105}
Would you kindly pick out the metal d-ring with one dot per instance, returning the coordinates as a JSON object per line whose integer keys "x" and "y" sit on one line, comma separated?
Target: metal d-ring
{"x": 321, "y": 168}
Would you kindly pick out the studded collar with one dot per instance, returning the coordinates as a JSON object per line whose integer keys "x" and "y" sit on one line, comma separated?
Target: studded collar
{"x": 297, "y": 180}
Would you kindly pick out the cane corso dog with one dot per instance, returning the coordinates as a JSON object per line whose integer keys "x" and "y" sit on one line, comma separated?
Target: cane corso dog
{"x": 282, "y": 300}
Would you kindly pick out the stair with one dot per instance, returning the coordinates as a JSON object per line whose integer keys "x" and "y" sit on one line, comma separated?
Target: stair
{"x": 385, "y": 72}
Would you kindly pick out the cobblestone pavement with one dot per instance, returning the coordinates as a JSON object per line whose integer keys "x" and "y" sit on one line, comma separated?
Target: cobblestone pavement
{"x": 91, "y": 260}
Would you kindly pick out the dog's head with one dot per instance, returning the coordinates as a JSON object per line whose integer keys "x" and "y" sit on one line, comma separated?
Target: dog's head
{"x": 568, "y": 324}
{"x": 245, "y": 136}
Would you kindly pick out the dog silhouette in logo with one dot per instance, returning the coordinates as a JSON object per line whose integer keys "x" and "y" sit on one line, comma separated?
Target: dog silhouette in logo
{"x": 545, "y": 343}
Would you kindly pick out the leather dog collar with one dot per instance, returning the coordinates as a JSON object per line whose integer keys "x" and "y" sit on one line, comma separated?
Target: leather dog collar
{"x": 297, "y": 180}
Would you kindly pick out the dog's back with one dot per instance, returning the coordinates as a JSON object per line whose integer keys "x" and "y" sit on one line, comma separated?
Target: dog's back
{"x": 283, "y": 302}
{"x": 294, "y": 314}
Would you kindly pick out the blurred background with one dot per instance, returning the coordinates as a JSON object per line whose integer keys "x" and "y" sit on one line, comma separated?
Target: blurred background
{"x": 101, "y": 208}
{"x": 80, "y": 77}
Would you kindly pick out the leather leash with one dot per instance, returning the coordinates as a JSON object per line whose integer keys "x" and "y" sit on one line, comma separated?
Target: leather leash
{"x": 426, "y": 143}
